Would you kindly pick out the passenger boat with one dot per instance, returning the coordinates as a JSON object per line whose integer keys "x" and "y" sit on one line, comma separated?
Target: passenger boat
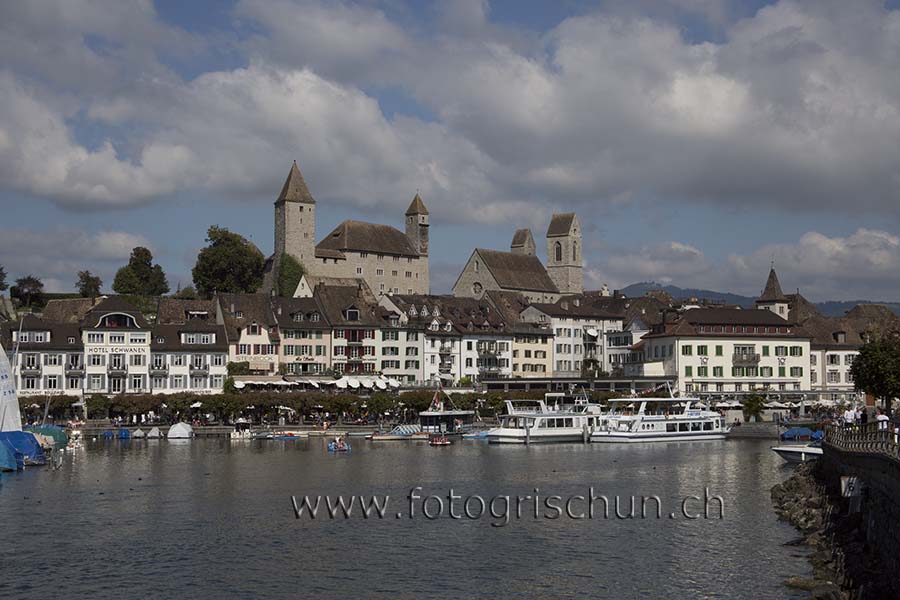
{"x": 556, "y": 418}
{"x": 659, "y": 424}
{"x": 799, "y": 453}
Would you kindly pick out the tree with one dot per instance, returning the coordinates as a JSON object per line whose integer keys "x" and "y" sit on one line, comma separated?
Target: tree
{"x": 140, "y": 276}
{"x": 3, "y": 285}
{"x": 228, "y": 263}
{"x": 28, "y": 290}
{"x": 186, "y": 293}
{"x": 753, "y": 407}
{"x": 876, "y": 369}
{"x": 88, "y": 284}
{"x": 289, "y": 273}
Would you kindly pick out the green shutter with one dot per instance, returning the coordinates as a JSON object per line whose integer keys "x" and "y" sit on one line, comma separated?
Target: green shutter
{"x": 686, "y": 350}
{"x": 765, "y": 350}
{"x": 688, "y": 371}
{"x": 718, "y": 350}
{"x": 781, "y": 371}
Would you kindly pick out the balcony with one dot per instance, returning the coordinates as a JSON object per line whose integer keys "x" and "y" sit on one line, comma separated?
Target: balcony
{"x": 489, "y": 369}
{"x": 487, "y": 351}
{"x": 202, "y": 369}
{"x": 352, "y": 342}
{"x": 445, "y": 367}
{"x": 445, "y": 349}
{"x": 117, "y": 370}
{"x": 74, "y": 369}
{"x": 159, "y": 370}
{"x": 31, "y": 369}
{"x": 745, "y": 359}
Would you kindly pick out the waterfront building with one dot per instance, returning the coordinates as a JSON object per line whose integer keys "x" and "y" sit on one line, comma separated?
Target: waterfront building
{"x": 579, "y": 328}
{"x": 390, "y": 260}
{"x": 356, "y": 320}
{"x": 189, "y": 349}
{"x": 620, "y": 346}
{"x": 50, "y": 356}
{"x": 305, "y": 336}
{"x": 251, "y": 331}
{"x": 727, "y": 350}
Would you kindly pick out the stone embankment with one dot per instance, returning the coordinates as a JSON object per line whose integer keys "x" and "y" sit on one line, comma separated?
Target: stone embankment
{"x": 845, "y": 566}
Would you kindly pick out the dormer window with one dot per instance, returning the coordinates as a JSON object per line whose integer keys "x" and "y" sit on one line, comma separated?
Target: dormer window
{"x": 298, "y": 317}
{"x": 160, "y": 340}
{"x": 71, "y": 339}
{"x": 253, "y": 329}
{"x": 412, "y": 311}
{"x": 314, "y": 317}
{"x": 448, "y": 327}
{"x": 435, "y": 312}
{"x": 40, "y": 337}
{"x": 238, "y": 314}
{"x": 434, "y": 326}
{"x": 352, "y": 314}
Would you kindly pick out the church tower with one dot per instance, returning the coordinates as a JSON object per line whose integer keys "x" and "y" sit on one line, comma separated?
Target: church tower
{"x": 417, "y": 225}
{"x": 295, "y": 220}
{"x": 522, "y": 243}
{"x": 772, "y": 298}
{"x": 564, "y": 264}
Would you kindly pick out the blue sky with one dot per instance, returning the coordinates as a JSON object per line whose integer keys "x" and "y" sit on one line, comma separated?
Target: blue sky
{"x": 696, "y": 139}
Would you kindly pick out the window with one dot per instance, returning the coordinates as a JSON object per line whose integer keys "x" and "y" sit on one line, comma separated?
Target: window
{"x": 178, "y": 360}
{"x": 137, "y": 382}
{"x": 218, "y": 360}
{"x": 359, "y": 270}
{"x": 558, "y": 252}
{"x": 96, "y": 360}
{"x": 352, "y": 314}
{"x": 834, "y": 377}
{"x": 796, "y": 371}
{"x": 781, "y": 350}
{"x": 73, "y": 383}
{"x": 702, "y": 350}
{"x": 117, "y": 338}
{"x": 765, "y": 350}
{"x": 137, "y": 360}
{"x": 238, "y": 314}
{"x": 686, "y": 350}
{"x": 718, "y": 372}
{"x": 702, "y": 371}
{"x": 796, "y": 350}
{"x": 51, "y": 382}
{"x": 833, "y": 359}
{"x": 137, "y": 338}
{"x": 379, "y": 272}
{"x": 253, "y": 329}
{"x": 95, "y": 338}
{"x": 52, "y": 360}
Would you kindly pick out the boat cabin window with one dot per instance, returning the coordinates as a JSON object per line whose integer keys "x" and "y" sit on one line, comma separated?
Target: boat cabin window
{"x": 671, "y": 427}
{"x": 695, "y": 426}
{"x": 707, "y": 426}
{"x": 682, "y": 427}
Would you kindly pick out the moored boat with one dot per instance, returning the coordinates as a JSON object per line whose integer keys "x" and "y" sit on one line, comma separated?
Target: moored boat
{"x": 799, "y": 453}
{"x": 556, "y": 418}
{"x": 654, "y": 421}
{"x": 439, "y": 441}
{"x": 400, "y": 433}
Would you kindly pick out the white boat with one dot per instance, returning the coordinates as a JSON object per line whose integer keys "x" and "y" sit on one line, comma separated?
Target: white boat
{"x": 798, "y": 453}
{"x": 400, "y": 433}
{"x": 655, "y": 421}
{"x": 556, "y": 418}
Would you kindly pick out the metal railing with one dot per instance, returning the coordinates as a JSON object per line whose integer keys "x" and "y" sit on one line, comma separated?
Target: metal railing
{"x": 878, "y": 437}
{"x": 745, "y": 359}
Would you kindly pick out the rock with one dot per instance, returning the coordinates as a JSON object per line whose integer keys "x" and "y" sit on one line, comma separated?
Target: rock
{"x": 801, "y": 583}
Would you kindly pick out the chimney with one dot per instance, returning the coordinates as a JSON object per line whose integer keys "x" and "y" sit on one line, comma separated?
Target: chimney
{"x": 279, "y": 310}
{"x": 232, "y": 308}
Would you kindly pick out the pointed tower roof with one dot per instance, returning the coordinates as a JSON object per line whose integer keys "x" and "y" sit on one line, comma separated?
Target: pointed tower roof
{"x": 772, "y": 292}
{"x": 416, "y": 207}
{"x": 294, "y": 189}
{"x": 522, "y": 237}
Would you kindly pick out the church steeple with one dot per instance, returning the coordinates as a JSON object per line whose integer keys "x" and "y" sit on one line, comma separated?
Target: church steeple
{"x": 295, "y": 220}
{"x": 417, "y": 225}
{"x": 772, "y": 298}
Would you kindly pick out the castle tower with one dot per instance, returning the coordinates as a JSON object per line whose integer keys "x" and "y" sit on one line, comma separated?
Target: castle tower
{"x": 295, "y": 220}
{"x": 417, "y": 225}
{"x": 523, "y": 243}
{"x": 564, "y": 264}
{"x": 772, "y": 298}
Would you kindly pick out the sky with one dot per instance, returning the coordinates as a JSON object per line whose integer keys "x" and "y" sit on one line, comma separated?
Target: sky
{"x": 697, "y": 140}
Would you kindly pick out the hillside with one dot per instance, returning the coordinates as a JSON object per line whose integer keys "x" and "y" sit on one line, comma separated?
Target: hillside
{"x": 835, "y": 308}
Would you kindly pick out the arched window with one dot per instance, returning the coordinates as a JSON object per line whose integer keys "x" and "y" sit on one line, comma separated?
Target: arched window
{"x": 574, "y": 251}
{"x": 558, "y": 252}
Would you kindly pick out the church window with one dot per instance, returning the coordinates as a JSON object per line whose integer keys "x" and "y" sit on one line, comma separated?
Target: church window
{"x": 558, "y": 252}
{"x": 574, "y": 251}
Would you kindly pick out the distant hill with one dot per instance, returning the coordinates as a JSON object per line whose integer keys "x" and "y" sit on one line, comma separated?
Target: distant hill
{"x": 832, "y": 308}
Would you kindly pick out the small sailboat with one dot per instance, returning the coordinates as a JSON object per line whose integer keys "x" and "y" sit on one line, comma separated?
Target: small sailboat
{"x": 17, "y": 442}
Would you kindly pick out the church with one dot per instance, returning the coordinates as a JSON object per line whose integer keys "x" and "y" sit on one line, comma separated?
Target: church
{"x": 389, "y": 260}
{"x": 521, "y": 271}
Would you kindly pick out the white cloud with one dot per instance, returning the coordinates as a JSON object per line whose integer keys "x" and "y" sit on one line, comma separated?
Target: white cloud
{"x": 55, "y": 256}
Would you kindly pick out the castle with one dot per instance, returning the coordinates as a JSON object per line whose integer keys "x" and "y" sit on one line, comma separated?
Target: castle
{"x": 390, "y": 261}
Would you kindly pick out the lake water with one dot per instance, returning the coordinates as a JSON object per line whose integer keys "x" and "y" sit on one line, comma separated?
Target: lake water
{"x": 213, "y": 519}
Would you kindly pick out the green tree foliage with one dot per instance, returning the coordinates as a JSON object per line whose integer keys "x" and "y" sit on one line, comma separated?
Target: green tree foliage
{"x": 289, "y": 273}
{"x": 140, "y": 276}
{"x": 28, "y": 290}
{"x": 88, "y": 284}
{"x": 186, "y": 293}
{"x": 753, "y": 407}
{"x": 876, "y": 370}
{"x": 228, "y": 263}
{"x": 3, "y": 284}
